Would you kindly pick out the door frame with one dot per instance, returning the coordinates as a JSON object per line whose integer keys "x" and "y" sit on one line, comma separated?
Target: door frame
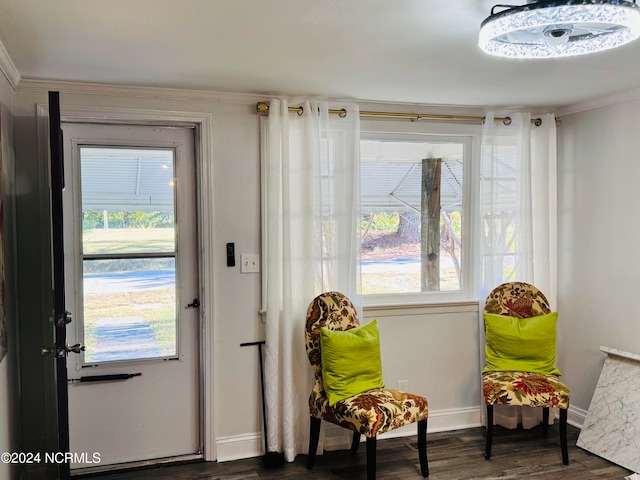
{"x": 203, "y": 124}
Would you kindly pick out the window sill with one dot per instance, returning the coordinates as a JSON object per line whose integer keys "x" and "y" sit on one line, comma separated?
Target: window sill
{"x": 389, "y": 309}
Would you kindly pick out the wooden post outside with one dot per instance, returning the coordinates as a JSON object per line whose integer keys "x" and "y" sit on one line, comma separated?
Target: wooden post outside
{"x": 430, "y": 232}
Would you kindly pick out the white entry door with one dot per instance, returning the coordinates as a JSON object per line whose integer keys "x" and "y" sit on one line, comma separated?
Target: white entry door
{"x": 132, "y": 281}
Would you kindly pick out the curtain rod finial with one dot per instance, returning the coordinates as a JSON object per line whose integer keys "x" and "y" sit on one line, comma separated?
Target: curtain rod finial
{"x": 262, "y": 108}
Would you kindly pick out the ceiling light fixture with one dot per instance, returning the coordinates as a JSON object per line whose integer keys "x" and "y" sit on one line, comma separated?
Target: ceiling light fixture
{"x": 548, "y": 29}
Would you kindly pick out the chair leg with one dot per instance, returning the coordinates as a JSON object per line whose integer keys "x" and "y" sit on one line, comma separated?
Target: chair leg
{"x": 422, "y": 447}
{"x": 314, "y": 437}
{"x": 545, "y": 421}
{"x": 371, "y": 458}
{"x": 563, "y": 436}
{"x": 355, "y": 442}
{"x": 487, "y": 450}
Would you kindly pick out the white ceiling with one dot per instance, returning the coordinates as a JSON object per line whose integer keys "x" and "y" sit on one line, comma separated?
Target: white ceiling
{"x": 405, "y": 51}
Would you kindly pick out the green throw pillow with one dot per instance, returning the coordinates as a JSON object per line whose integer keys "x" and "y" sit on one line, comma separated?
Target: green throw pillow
{"x": 521, "y": 344}
{"x": 351, "y": 361}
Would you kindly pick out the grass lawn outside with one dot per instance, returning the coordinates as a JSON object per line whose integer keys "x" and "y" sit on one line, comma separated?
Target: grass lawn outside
{"x": 156, "y": 307}
{"x": 153, "y": 306}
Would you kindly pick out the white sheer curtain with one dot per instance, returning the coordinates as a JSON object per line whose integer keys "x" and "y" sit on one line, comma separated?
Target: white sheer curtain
{"x": 518, "y": 201}
{"x": 311, "y": 172}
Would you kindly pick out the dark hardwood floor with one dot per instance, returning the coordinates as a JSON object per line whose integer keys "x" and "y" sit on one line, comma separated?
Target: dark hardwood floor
{"x": 454, "y": 455}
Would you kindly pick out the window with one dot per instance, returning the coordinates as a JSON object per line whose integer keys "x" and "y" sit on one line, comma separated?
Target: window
{"x": 414, "y": 217}
{"x": 128, "y": 253}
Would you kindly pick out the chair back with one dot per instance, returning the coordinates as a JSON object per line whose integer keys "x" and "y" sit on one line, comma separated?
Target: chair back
{"x": 332, "y": 310}
{"x": 517, "y": 299}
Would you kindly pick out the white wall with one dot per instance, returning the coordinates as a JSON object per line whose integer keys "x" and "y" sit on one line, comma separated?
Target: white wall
{"x": 9, "y": 391}
{"x": 599, "y": 235}
{"x": 436, "y": 350}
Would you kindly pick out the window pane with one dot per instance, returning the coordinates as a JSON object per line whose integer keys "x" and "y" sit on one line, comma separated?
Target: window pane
{"x": 411, "y": 201}
{"x": 499, "y": 200}
{"x": 129, "y": 309}
{"x": 128, "y": 247}
{"x": 127, "y": 200}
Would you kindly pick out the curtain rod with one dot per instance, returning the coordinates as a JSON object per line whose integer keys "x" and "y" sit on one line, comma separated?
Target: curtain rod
{"x": 263, "y": 108}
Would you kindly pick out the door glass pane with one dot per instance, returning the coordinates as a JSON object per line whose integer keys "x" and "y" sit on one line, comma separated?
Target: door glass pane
{"x": 128, "y": 247}
{"x": 129, "y": 309}
{"x": 127, "y": 200}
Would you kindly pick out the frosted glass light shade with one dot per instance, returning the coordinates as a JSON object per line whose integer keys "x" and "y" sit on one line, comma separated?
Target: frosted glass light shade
{"x": 547, "y": 29}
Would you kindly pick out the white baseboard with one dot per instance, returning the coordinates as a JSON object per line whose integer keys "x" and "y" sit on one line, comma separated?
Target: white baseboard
{"x": 442, "y": 421}
{"x": 576, "y": 416}
{"x": 455, "y": 419}
{"x": 251, "y": 445}
{"x": 239, "y": 446}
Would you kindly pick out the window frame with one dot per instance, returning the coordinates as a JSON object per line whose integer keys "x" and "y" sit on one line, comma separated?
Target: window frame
{"x": 469, "y": 137}
{"x": 74, "y": 235}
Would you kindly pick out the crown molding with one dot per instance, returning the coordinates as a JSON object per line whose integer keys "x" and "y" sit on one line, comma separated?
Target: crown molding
{"x": 166, "y": 93}
{"x": 8, "y": 68}
{"x": 600, "y": 102}
{"x": 210, "y": 96}
{"x": 128, "y": 91}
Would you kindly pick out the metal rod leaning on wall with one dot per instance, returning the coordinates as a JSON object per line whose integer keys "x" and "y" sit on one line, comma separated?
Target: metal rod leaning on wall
{"x": 263, "y": 108}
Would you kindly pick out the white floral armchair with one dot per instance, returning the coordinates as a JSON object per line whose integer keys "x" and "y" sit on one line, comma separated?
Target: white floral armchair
{"x": 523, "y": 388}
{"x": 369, "y": 413}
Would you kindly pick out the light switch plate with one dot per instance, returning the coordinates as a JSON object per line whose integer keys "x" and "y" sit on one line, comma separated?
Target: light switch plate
{"x": 249, "y": 263}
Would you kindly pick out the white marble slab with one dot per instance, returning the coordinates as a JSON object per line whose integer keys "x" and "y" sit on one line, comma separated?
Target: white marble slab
{"x": 612, "y": 427}
{"x": 620, "y": 353}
